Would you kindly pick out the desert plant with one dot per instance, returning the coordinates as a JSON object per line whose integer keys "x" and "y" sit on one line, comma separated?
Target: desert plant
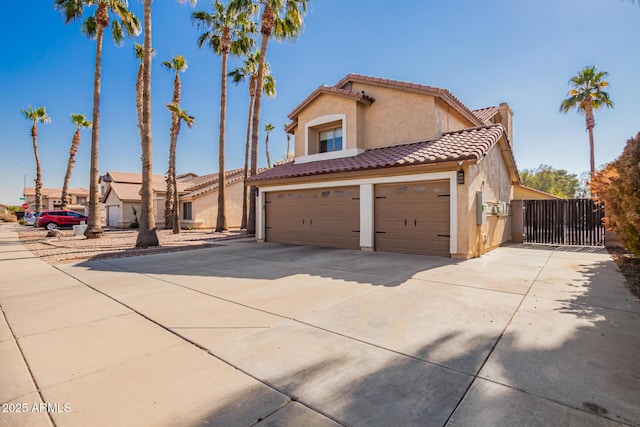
{"x": 134, "y": 223}
{"x": 617, "y": 185}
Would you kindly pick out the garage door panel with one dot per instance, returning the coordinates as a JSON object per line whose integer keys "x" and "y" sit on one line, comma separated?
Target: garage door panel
{"x": 319, "y": 217}
{"x": 413, "y": 217}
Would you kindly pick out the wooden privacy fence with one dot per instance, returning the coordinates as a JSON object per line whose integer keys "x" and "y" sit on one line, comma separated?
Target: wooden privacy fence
{"x": 564, "y": 222}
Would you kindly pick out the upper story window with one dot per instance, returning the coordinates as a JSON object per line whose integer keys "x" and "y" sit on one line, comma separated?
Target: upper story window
{"x": 330, "y": 140}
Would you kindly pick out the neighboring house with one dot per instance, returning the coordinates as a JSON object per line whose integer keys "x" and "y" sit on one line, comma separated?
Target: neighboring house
{"x": 121, "y": 198}
{"x": 522, "y": 192}
{"x": 198, "y": 198}
{"x": 391, "y": 166}
{"x": 52, "y": 198}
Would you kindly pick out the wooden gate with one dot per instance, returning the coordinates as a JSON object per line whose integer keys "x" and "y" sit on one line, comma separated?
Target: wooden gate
{"x": 564, "y": 222}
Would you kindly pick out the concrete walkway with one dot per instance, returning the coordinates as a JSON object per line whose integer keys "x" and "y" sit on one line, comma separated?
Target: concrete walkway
{"x": 274, "y": 335}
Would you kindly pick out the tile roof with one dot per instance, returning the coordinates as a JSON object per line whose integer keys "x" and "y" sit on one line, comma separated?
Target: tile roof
{"x": 467, "y": 144}
{"x": 358, "y": 96}
{"x": 125, "y": 191}
{"x": 231, "y": 177}
{"x": 485, "y": 114}
{"x": 444, "y": 94}
{"x": 56, "y": 192}
{"x": 131, "y": 177}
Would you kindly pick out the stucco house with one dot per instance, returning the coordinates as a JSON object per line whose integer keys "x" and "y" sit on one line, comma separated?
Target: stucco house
{"x": 197, "y": 195}
{"x": 77, "y": 198}
{"x": 391, "y": 166}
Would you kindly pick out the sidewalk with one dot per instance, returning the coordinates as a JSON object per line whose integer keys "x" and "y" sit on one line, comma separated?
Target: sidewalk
{"x": 96, "y": 362}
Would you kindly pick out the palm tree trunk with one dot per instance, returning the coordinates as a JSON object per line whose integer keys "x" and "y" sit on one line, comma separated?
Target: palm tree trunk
{"x": 147, "y": 233}
{"x": 139, "y": 88}
{"x": 94, "y": 229}
{"x": 221, "y": 223}
{"x": 171, "y": 172}
{"x": 251, "y": 224}
{"x": 288, "y": 144}
{"x": 175, "y": 211}
{"x": 590, "y": 120}
{"x": 169, "y": 204}
{"x": 34, "y": 137}
{"x": 266, "y": 150}
{"x": 75, "y": 142}
{"x": 246, "y": 155}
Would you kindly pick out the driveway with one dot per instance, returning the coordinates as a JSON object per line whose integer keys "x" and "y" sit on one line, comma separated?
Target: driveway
{"x": 270, "y": 335}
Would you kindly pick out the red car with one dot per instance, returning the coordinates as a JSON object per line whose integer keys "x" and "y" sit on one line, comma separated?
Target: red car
{"x": 62, "y": 218}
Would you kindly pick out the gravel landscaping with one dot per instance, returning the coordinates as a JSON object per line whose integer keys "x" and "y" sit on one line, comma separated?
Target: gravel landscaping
{"x": 68, "y": 248}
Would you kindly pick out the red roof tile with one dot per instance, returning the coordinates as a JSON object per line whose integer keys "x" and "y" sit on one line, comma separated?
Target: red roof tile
{"x": 485, "y": 114}
{"x": 358, "y": 96}
{"x": 416, "y": 87}
{"x": 467, "y": 144}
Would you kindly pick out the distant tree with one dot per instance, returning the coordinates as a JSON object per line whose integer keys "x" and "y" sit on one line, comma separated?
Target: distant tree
{"x": 35, "y": 116}
{"x": 180, "y": 116}
{"x": 267, "y": 128}
{"x": 249, "y": 70}
{"x": 288, "y": 154}
{"x": 179, "y": 65}
{"x": 81, "y": 122}
{"x": 586, "y": 96}
{"x": 617, "y": 185}
{"x": 229, "y": 30}
{"x": 93, "y": 27}
{"x": 558, "y": 182}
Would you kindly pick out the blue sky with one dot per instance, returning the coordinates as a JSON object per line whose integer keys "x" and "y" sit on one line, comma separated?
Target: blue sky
{"x": 484, "y": 52}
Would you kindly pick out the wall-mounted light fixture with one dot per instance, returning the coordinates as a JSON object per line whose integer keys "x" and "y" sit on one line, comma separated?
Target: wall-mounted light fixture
{"x": 460, "y": 176}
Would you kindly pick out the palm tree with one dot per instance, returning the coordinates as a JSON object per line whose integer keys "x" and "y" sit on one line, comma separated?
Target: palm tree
{"x": 37, "y": 115}
{"x": 179, "y": 65}
{"x": 286, "y": 156}
{"x": 178, "y": 116}
{"x": 282, "y": 19}
{"x": 228, "y": 30}
{"x": 268, "y": 128}
{"x": 139, "y": 53}
{"x": 586, "y": 96}
{"x": 147, "y": 235}
{"x": 93, "y": 27}
{"x": 81, "y": 122}
{"x": 250, "y": 69}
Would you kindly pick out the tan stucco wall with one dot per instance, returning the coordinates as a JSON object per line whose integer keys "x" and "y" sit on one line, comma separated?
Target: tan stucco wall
{"x": 205, "y": 208}
{"x": 396, "y": 117}
{"x": 448, "y": 119}
{"x": 127, "y": 214}
{"x": 525, "y": 193}
{"x": 492, "y": 176}
{"x": 324, "y": 105}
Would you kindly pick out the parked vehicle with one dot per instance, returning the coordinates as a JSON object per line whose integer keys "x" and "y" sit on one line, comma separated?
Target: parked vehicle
{"x": 60, "y": 218}
{"x": 30, "y": 218}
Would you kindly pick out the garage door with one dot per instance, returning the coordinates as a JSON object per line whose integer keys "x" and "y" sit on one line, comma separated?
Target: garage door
{"x": 413, "y": 218}
{"x": 113, "y": 215}
{"x": 322, "y": 217}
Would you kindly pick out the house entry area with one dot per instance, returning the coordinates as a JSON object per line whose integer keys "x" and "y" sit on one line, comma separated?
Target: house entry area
{"x": 319, "y": 217}
{"x": 413, "y": 218}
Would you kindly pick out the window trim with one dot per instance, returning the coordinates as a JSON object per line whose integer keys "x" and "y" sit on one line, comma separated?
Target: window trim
{"x": 312, "y": 125}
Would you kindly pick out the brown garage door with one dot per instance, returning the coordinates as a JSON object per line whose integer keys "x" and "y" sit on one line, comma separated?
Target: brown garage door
{"x": 322, "y": 217}
{"x": 413, "y": 218}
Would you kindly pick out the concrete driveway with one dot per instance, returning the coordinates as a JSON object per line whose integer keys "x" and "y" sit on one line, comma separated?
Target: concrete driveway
{"x": 248, "y": 334}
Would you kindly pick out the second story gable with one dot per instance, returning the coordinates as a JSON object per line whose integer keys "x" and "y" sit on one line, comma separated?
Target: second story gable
{"x": 361, "y": 113}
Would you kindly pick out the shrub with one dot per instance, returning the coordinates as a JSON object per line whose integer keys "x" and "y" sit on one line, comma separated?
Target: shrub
{"x": 618, "y": 187}
{"x": 8, "y": 217}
